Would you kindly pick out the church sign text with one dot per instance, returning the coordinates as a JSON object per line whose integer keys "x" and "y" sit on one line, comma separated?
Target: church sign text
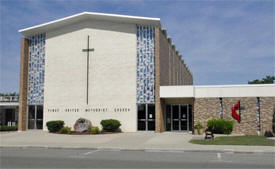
{"x": 87, "y": 110}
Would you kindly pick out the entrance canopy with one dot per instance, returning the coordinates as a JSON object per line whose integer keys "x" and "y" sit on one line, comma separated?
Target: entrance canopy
{"x": 263, "y": 90}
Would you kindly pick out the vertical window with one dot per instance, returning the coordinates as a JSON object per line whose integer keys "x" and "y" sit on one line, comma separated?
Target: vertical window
{"x": 221, "y": 110}
{"x": 258, "y": 116}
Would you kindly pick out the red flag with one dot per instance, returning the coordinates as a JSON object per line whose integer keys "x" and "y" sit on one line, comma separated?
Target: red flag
{"x": 235, "y": 115}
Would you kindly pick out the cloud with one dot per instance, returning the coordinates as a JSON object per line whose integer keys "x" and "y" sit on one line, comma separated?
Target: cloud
{"x": 220, "y": 39}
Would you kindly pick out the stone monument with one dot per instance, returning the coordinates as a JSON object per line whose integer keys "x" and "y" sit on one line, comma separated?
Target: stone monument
{"x": 82, "y": 125}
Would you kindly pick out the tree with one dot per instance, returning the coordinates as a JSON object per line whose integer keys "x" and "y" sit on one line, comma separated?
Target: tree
{"x": 9, "y": 94}
{"x": 266, "y": 80}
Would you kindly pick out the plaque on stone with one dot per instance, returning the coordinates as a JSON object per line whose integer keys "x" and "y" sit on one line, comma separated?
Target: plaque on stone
{"x": 82, "y": 125}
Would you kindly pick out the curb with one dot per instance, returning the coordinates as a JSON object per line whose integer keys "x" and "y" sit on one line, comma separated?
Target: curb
{"x": 146, "y": 149}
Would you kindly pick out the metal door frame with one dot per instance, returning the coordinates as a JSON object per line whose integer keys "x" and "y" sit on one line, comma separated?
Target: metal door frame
{"x": 35, "y": 115}
{"x": 179, "y": 119}
{"x": 146, "y": 120}
{"x": 187, "y": 117}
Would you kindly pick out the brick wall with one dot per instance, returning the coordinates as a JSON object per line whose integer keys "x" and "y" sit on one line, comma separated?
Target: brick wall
{"x": 208, "y": 108}
{"x": 170, "y": 70}
{"x": 159, "y": 110}
{"x": 23, "y": 86}
{"x": 164, "y": 58}
{"x": 267, "y": 105}
{"x": 173, "y": 70}
{"x": 248, "y": 124}
{"x": 205, "y": 109}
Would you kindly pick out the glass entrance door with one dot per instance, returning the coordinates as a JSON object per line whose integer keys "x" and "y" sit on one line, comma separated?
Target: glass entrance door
{"x": 168, "y": 114}
{"x": 151, "y": 117}
{"x": 142, "y": 117}
{"x": 178, "y": 117}
{"x": 146, "y": 117}
{"x": 175, "y": 118}
{"x": 183, "y": 117}
{"x": 39, "y": 117}
{"x": 35, "y": 117}
{"x": 31, "y": 117}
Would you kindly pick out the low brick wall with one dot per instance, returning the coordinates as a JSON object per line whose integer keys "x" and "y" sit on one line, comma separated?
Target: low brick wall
{"x": 209, "y": 108}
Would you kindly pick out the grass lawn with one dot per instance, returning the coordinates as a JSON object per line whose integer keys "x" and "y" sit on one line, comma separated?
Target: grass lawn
{"x": 237, "y": 140}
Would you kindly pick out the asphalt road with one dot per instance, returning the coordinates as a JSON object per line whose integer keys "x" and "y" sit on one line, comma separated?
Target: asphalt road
{"x": 80, "y": 158}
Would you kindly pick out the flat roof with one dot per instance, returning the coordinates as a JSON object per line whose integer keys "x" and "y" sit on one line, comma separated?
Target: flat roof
{"x": 89, "y": 15}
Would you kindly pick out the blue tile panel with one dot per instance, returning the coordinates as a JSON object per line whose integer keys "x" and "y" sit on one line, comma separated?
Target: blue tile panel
{"x": 145, "y": 64}
{"x": 36, "y": 69}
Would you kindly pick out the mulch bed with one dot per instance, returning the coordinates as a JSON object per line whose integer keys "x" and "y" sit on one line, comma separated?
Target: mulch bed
{"x": 86, "y": 133}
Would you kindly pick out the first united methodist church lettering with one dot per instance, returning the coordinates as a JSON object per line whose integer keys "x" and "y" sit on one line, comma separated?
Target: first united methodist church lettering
{"x": 106, "y": 110}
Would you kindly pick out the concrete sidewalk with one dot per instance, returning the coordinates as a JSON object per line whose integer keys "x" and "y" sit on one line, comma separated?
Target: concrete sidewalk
{"x": 142, "y": 141}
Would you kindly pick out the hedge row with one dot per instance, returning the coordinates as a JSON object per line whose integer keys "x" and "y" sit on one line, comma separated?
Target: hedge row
{"x": 109, "y": 125}
{"x": 220, "y": 126}
{"x": 8, "y": 128}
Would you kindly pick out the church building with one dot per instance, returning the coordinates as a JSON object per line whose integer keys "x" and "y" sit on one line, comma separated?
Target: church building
{"x": 105, "y": 66}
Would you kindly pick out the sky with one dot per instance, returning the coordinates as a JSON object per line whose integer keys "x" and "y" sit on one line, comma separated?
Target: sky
{"x": 222, "y": 42}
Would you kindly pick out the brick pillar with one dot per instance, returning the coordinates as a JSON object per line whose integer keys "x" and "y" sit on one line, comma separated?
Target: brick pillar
{"x": 23, "y": 87}
{"x": 159, "y": 106}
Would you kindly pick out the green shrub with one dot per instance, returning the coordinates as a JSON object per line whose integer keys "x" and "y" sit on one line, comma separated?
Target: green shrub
{"x": 55, "y": 126}
{"x": 8, "y": 128}
{"x": 198, "y": 126}
{"x": 65, "y": 130}
{"x": 110, "y": 125}
{"x": 94, "y": 130}
{"x": 220, "y": 126}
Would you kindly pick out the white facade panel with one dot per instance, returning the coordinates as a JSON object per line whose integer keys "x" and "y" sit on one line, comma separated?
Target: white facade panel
{"x": 235, "y": 91}
{"x": 112, "y": 77}
{"x": 176, "y": 91}
{"x": 265, "y": 90}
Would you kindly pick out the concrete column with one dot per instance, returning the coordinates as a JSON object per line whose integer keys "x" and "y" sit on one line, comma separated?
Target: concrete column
{"x": 158, "y": 103}
{"x": 23, "y": 87}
